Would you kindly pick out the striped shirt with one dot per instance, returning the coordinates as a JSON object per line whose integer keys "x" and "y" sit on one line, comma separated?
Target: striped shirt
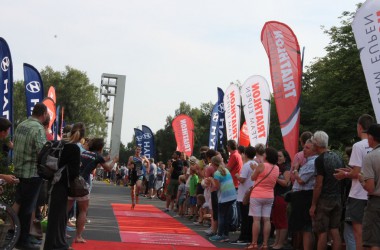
{"x": 29, "y": 138}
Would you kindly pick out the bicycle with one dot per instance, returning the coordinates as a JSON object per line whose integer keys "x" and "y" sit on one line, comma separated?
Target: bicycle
{"x": 9, "y": 225}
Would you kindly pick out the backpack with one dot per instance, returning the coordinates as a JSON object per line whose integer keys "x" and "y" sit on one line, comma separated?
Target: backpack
{"x": 48, "y": 159}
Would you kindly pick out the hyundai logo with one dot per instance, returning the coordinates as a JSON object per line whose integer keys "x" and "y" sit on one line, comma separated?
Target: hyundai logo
{"x": 147, "y": 136}
{"x": 221, "y": 108}
{"x": 139, "y": 138}
{"x": 5, "y": 63}
{"x": 33, "y": 87}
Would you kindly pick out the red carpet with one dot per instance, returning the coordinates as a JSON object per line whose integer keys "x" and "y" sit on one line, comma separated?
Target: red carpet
{"x": 102, "y": 245}
{"x": 147, "y": 227}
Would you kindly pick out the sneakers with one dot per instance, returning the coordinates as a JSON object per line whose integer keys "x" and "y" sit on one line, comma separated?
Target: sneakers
{"x": 210, "y": 233}
{"x": 239, "y": 242}
{"x": 166, "y": 210}
{"x": 197, "y": 223}
{"x": 219, "y": 238}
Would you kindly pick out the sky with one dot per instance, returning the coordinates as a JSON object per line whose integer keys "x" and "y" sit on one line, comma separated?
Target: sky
{"x": 170, "y": 51}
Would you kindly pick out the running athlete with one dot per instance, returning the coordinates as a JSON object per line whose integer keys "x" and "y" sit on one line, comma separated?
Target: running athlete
{"x": 136, "y": 166}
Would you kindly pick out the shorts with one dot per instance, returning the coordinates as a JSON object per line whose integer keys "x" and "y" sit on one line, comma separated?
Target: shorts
{"x": 158, "y": 185}
{"x": 371, "y": 222}
{"x": 299, "y": 219}
{"x": 181, "y": 201}
{"x": 260, "y": 207}
{"x": 172, "y": 188}
{"x": 279, "y": 213}
{"x": 193, "y": 200}
{"x": 327, "y": 215}
{"x": 83, "y": 198}
{"x": 355, "y": 210}
{"x": 135, "y": 179}
{"x": 152, "y": 180}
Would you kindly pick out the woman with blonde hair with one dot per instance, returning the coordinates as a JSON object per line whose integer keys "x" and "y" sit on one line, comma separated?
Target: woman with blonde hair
{"x": 222, "y": 181}
{"x": 69, "y": 165}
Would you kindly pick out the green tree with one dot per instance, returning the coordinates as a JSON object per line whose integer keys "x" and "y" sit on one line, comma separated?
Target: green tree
{"x": 79, "y": 98}
{"x": 335, "y": 93}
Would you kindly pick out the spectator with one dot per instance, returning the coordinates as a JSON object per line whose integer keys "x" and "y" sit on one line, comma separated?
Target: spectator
{"x": 192, "y": 191}
{"x": 262, "y": 196}
{"x": 300, "y": 220}
{"x": 181, "y": 196}
{"x": 227, "y": 196}
{"x": 279, "y": 216}
{"x": 70, "y": 157}
{"x": 245, "y": 183}
{"x": 152, "y": 178}
{"x": 175, "y": 171}
{"x": 326, "y": 205}
{"x": 371, "y": 183}
{"x": 357, "y": 198}
{"x": 29, "y": 138}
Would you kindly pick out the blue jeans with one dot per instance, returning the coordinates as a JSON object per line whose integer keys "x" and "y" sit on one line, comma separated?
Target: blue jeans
{"x": 224, "y": 217}
{"x": 26, "y": 196}
{"x": 349, "y": 238}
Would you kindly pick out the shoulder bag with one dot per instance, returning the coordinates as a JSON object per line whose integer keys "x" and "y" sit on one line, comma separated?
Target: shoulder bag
{"x": 247, "y": 195}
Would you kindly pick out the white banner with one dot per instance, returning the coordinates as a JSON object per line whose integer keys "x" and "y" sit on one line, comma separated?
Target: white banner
{"x": 366, "y": 29}
{"x": 255, "y": 96}
{"x": 232, "y": 104}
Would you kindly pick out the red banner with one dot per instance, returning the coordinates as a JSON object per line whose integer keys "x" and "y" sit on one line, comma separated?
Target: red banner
{"x": 244, "y": 137}
{"x": 49, "y": 103}
{"x": 183, "y": 127}
{"x": 51, "y": 94}
{"x": 284, "y": 55}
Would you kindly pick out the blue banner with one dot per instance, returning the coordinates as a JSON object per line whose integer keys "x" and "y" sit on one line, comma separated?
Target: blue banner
{"x": 34, "y": 89}
{"x": 139, "y": 138}
{"x": 6, "y": 85}
{"x": 148, "y": 141}
{"x": 222, "y": 140}
{"x": 214, "y": 128}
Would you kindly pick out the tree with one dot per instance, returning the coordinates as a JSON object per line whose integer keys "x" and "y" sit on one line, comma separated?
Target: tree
{"x": 79, "y": 98}
{"x": 335, "y": 93}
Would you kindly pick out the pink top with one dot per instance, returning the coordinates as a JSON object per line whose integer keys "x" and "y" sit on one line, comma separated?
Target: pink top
{"x": 265, "y": 188}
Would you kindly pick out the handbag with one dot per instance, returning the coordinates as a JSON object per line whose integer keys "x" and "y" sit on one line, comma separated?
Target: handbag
{"x": 288, "y": 196}
{"x": 78, "y": 187}
{"x": 247, "y": 195}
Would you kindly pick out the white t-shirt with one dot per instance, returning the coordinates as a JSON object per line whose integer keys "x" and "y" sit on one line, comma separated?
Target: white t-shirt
{"x": 246, "y": 173}
{"x": 359, "y": 150}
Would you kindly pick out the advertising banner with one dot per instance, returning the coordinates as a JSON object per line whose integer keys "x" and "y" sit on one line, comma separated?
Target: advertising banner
{"x": 34, "y": 89}
{"x": 148, "y": 142}
{"x": 366, "y": 28}
{"x": 232, "y": 104}
{"x": 6, "y": 79}
{"x": 284, "y": 55}
{"x": 255, "y": 96}
{"x": 183, "y": 127}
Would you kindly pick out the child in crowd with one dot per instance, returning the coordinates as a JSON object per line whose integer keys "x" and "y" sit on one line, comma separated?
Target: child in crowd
{"x": 203, "y": 210}
{"x": 181, "y": 196}
{"x": 193, "y": 191}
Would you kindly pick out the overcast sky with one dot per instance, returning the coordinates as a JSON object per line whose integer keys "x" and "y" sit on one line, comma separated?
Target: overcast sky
{"x": 170, "y": 51}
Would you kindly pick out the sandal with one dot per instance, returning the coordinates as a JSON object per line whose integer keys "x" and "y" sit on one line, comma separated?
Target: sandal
{"x": 264, "y": 247}
{"x": 252, "y": 246}
{"x": 80, "y": 240}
